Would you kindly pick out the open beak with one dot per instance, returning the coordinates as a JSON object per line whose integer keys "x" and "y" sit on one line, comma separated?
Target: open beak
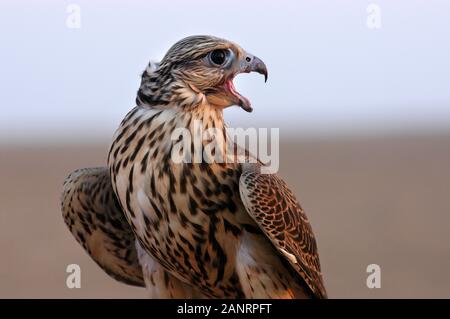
{"x": 248, "y": 63}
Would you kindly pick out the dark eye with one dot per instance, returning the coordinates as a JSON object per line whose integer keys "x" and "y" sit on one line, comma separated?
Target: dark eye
{"x": 218, "y": 57}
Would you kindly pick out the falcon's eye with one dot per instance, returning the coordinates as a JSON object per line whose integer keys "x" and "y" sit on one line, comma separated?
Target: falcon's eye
{"x": 218, "y": 57}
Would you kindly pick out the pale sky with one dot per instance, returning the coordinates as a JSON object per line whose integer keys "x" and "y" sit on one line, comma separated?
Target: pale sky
{"x": 328, "y": 72}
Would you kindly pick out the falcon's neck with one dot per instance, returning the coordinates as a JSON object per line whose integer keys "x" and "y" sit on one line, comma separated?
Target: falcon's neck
{"x": 198, "y": 130}
{"x": 161, "y": 89}
{"x": 184, "y": 110}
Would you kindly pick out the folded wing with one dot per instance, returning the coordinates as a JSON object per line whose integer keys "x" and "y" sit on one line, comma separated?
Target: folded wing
{"x": 274, "y": 208}
{"x": 94, "y": 217}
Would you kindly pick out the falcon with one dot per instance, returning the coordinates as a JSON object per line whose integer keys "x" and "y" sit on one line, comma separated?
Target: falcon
{"x": 187, "y": 229}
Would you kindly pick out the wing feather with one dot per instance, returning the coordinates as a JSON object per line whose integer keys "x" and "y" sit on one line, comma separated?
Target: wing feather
{"x": 273, "y": 206}
{"x": 97, "y": 222}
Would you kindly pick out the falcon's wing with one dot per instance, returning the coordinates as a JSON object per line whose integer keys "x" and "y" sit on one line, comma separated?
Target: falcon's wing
{"x": 273, "y": 206}
{"x": 97, "y": 222}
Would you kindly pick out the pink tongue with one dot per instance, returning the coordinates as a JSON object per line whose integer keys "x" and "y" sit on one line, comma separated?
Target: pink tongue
{"x": 243, "y": 101}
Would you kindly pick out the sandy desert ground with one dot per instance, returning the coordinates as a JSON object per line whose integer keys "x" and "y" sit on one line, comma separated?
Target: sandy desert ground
{"x": 375, "y": 200}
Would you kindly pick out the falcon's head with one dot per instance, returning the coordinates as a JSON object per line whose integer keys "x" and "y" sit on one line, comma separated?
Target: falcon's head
{"x": 198, "y": 68}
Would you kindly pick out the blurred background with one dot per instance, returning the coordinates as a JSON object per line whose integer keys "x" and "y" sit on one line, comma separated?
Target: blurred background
{"x": 360, "y": 91}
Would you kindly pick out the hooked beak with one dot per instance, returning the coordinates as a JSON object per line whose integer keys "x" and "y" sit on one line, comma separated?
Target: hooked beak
{"x": 253, "y": 64}
{"x": 248, "y": 63}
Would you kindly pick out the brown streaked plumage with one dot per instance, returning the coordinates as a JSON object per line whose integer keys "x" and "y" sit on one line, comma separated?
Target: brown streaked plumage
{"x": 208, "y": 229}
{"x": 273, "y": 206}
{"x": 92, "y": 213}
